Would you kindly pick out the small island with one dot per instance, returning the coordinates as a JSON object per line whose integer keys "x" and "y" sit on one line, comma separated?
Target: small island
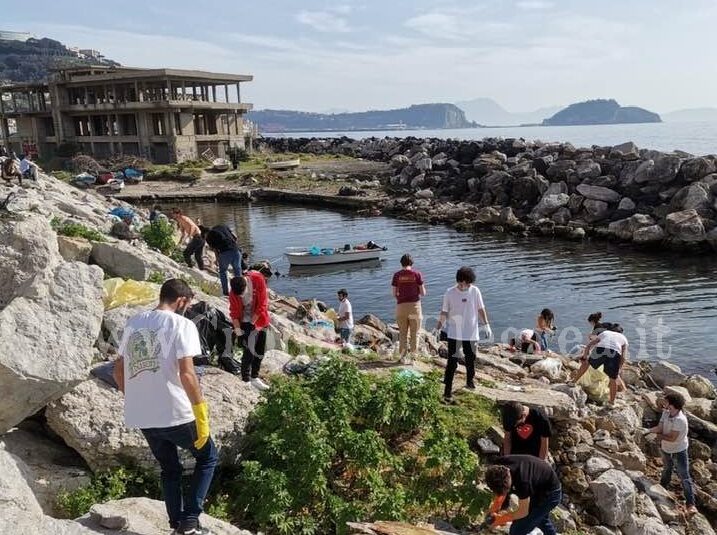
{"x": 601, "y": 111}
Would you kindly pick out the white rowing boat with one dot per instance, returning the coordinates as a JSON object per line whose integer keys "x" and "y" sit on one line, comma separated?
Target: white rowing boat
{"x": 313, "y": 256}
{"x": 286, "y": 164}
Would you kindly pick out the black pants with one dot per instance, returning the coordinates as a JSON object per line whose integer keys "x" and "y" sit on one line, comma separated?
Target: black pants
{"x": 470, "y": 356}
{"x": 253, "y": 342}
{"x": 196, "y": 248}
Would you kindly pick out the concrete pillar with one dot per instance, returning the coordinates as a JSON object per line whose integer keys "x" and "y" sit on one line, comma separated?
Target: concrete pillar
{"x": 87, "y": 96}
{"x": 226, "y": 93}
{"x": 238, "y": 93}
{"x": 169, "y": 90}
{"x": 184, "y": 90}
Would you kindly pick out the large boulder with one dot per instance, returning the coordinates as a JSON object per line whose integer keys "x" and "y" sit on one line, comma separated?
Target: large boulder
{"x": 20, "y": 510}
{"x": 549, "y": 204}
{"x": 685, "y": 226}
{"x": 614, "y": 497}
{"x": 649, "y": 235}
{"x": 595, "y": 210}
{"x": 625, "y": 228}
{"x": 142, "y": 516}
{"x": 662, "y": 169}
{"x": 646, "y": 525}
{"x": 90, "y": 419}
{"x": 74, "y": 249}
{"x": 667, "y": 374}
{"x": 700, "y": 387}
{"x": 50, "y": 314}
{"x": 599, "y": 193}
{"x": 693, "y": 197}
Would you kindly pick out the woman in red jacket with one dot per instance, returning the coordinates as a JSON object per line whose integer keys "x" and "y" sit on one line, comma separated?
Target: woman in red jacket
{"x": 249, "y": 311}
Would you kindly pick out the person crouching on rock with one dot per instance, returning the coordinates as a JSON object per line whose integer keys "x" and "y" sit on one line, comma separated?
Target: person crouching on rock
{"x": 535, "y": 484}
{"x": 462, "y": 312}
{"x": 249, "y": 312}
{"x": 610, "y": 353}
{"x": 527, "y": 431}
{"x": 545, "y": 327}
{"x": 164, "y": 401}
{"x": 672, "y": 431}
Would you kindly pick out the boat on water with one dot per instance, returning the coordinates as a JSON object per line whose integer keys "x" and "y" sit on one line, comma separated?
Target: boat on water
{"x": 285, "y": 164}
{"x": 220, "y": 164}
{"x": 315, "y": 256}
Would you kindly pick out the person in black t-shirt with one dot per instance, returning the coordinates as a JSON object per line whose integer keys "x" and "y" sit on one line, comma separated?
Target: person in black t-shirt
{"x": 535, "y": 484}
{"x": 527, "y": 431}
{"x": 223, "y": 242}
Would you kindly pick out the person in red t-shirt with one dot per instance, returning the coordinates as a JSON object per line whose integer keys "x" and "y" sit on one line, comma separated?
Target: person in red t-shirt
{"x": 408, "y": 288}
{"x": 249, "y": 311}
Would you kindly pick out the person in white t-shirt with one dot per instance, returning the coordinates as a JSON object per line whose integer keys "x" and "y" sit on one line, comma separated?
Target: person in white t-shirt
{"x": 164, "y": 401}
{"x": 462, "y": 315}
{"x": 672, "y": 431}
{"x": 610, "y": 353}
{"x": 346, "y": 317}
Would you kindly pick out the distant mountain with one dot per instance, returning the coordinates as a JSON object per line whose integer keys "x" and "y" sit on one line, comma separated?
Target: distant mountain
{"x": 487, "y": 111}
{"x": 33, "y": 59}
{"x": 431, "y": 116}
{"x": 691, "y": 115}
{"x": 601, "y": 111}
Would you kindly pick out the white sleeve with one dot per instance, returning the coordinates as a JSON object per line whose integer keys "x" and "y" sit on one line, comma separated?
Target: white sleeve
{"x": 349, "y": 310}
{"x": 479, "y": 297}
{"x": 187, "y": 343}
{"x": 445, "y": 308}
{"x": 122, "y": 349}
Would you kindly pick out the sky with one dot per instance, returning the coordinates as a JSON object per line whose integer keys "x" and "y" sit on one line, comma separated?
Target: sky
{"x": 317, "y": 55}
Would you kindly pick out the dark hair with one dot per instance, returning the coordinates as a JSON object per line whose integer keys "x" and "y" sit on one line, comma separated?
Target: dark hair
{"x": 510, "y": 414}
{"x": 547, "y": 314}
{"x": 498, "y": 479}
{"x": 203, "y": 230}
{"x": 265, "y": 270}
{"x": 176, "y": 210}
{"x": 675, "y": 399}
{"x": 238, "y": 285}
{"x": 595, "y": 317}
{"x": 466, "y": 274}
{"x": 343, "y": 292}
{"x": 156, "y": 207}
{"x": 406, "y": 260}
{"x": 173, "y": 289}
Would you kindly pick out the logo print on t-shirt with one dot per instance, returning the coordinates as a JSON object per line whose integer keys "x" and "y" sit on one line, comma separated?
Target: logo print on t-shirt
{"x": 524, "y": 431}
{"x": 143, "y": 350}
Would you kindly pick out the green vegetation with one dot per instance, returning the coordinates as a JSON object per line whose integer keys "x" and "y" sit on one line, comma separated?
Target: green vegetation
{"x": 110, "y": 485}
{"x": 346, "y": 446}
{"x": 65, "y": 176}
{"x": 76, "y": 230}
{"x": 157, "y": 277}
{"x": 159, "y": 235}
{"x": 187, "y": 170}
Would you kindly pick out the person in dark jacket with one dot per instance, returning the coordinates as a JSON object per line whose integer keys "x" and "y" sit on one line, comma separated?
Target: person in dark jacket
{"x": 223, "y": 242}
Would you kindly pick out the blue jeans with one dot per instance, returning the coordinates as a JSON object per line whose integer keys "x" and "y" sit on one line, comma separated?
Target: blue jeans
{"x": 539, "y": 515}
{"x": 164, "y": 443}
{"x": 229, "y": 258}
{"x": 681, "y": 463}
{"x": 345, "y": 335}
{"x": 543, "y": 341}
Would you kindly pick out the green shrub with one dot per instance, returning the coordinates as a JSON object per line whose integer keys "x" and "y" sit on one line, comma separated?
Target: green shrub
{"x": 105, "y": 486}
{"x": 347, "y": 446}
{"x": 76, "y": 230}
{"x": 159, "y": 235}
{"x": 157, "y": 277}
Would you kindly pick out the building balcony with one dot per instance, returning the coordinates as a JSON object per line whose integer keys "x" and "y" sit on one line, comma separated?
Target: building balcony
{"x": 157, "y": 105}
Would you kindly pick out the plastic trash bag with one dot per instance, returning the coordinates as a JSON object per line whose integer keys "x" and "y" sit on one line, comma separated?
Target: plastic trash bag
{"x": 548, "y": 367}
{"x": 120, "y": 292}
{"x": 596, "y": 384}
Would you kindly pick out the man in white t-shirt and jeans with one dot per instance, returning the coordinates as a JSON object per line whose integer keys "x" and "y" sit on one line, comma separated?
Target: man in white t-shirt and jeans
{"x": 463, "y": 314}
{"x": 163, "y": 400}
{"x": 345, "y": 317}
{"x": 672, "y": 431}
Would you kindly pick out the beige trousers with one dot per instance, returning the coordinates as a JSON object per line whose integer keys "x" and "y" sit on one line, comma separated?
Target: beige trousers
{"x": 409, "y": 318}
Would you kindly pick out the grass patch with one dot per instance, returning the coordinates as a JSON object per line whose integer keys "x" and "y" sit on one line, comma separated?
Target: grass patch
{"x": 113, "y": 484}
{"x": 76, "y": 230}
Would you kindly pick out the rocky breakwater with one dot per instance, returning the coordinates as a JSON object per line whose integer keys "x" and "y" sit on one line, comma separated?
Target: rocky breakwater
{"x": 622, "y": 193}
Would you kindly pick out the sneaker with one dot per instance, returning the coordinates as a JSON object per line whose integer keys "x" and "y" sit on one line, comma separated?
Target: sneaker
{"x": 471, "y": 386}
{"x": 448, "y": 400}
{"x": 259, "y": 384}
{"x": 691, "y": 510}
{"x": 193, "y": 528}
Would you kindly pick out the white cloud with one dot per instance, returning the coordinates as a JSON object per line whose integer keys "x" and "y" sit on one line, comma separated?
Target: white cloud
{"x": 534, "y": 4}
{"x": 323, "y": 21}
{"x": 444, "y": 25}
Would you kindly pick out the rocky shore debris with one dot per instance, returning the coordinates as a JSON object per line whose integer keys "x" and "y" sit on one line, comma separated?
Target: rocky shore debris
{"x": 608, "y": 465}
{"x": 622, "y": 193}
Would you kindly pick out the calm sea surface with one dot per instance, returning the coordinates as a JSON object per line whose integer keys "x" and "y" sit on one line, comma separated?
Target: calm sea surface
{"x": 667, "y": 304}
{"x": 698, "y": 138}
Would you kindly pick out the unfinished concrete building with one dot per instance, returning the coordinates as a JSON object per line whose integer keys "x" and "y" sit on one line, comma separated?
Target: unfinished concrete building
{"x": 165, "y": 115}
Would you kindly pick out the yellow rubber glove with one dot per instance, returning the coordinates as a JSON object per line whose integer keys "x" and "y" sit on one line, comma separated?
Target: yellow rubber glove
{"x": 201, "y": 420}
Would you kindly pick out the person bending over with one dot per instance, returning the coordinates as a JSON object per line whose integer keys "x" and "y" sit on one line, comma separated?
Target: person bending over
{"x": 527, "y": 431}
{"x": 610, "y": 353}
